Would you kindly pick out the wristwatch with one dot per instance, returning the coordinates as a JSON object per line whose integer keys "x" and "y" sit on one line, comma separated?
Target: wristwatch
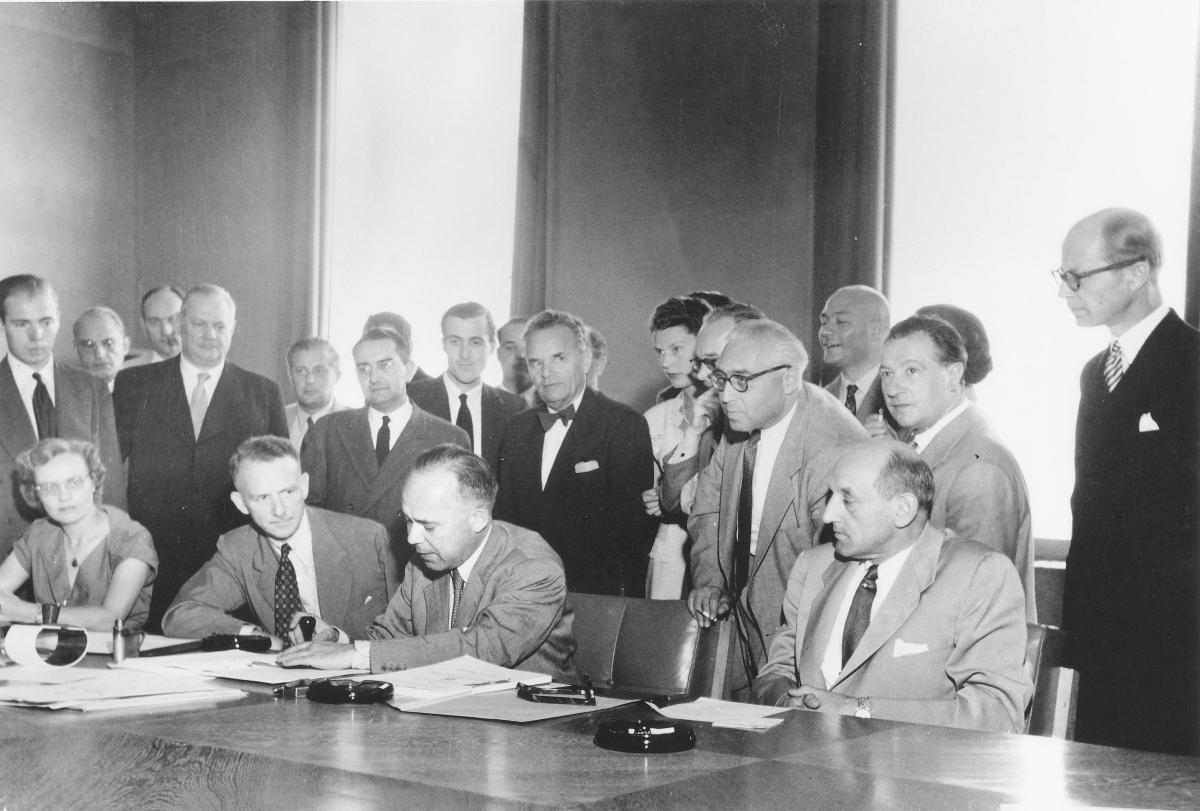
{"x": 864, "y": 707}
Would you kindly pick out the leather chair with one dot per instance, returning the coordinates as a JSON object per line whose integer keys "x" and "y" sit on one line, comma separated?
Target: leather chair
{"x": 649, "y": 649}
{"x": 1051, "y": 712}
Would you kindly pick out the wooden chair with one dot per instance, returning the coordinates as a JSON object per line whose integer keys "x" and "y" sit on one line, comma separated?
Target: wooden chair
{"x": 647, "y": 648}
{"x": 1051, "y": 712}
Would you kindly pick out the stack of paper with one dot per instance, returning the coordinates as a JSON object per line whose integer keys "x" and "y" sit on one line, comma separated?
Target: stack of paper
{"x": 231, "y": 664}
{"x": 465, "y": 675}
{"x": 109, "y": 690}
{"x": 725, "y": 714}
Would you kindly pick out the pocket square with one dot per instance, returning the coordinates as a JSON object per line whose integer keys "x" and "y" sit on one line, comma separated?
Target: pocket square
{"x": 908, "y": 648}
{"x": 587, "y": 467}
{"x": 1147, "y": 423}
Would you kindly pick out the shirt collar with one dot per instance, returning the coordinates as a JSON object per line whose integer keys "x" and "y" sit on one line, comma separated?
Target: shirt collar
{"x": 303, "y": 415}
{"x": 454, "y": 388}
{"x": 865, "y": 382}
{"x": 1134, "y": 338}
{"x": 47, "y": 370}
{"x": 401, "y": 414}
{"x": 775, "y": 433}
{"x": 925, "y": 437}
{"x": 301, "y": 540}
{"x": 191, "y": 372}
{"x": 467, "y": 566}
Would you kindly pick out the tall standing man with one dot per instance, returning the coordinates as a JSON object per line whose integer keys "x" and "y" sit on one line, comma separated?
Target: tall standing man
{"x": 459, "y": 395}
{"x": 574, "y": 469}
{"x": 853, "y": 325}
{"x": 101, "y": 343}
{"x": 41, "y": 398}
{"x": 314, "y": 369}
{"x": 179, "y": 421}
{"x": 1131, "y": 608}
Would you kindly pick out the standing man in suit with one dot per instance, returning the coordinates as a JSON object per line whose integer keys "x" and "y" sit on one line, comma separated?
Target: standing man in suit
{"x": 179, "y": 421}
{"x": 160, "y": 320}
{"x": 574, "y": 469}
{"x": 853, "y": 325}
{"x": 897, "y": 619}
{"x": 477, "y": 587}
{"x": 1131, "y": 608}
{"x": 759, "y": 501}
{"x": 101, "y": 343}
{"x": 357, "y": 460}
{"x": 460, "y": 395}
{"x": 288, "y": 562}
{"x": 511, "y": 354}
{"x": 42, "y": 398}
{"x": 980, "y": 492}
{"x": 314, "y": 369}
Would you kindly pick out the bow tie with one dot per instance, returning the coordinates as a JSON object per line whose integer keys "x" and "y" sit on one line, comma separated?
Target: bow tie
{"x": 548, "y": 418}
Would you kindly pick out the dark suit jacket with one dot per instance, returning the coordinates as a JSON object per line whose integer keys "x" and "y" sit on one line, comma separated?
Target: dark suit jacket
{"x": 497, "y": 406}
{"x": 83, "y": 410}
{"x": 179, "y": 485}
{"x": 356, "y": 577}
{"x": 339, "y": 457}
{"x": 1131, "y": 606}
{"x": 512, "y": 613}
{"x": 591, "y": 510}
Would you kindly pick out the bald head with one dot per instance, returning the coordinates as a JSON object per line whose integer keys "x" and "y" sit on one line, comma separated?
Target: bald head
{"x": 1114, "y": 255}
{"x": 854, "y": 324}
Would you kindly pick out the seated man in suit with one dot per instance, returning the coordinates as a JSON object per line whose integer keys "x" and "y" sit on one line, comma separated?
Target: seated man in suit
{"x": 289, "y": 561}
{"x": 460, "y": 395}
{"x": 101, "y": 343}
{"x": 759, "y": 502}
{"x": 898, "y": 619}
{"x": 980, "y": 493}
{"x": 314, "y": 369}
{"x": 853, "y": 325}
{"x": 41, "y": 397}
{"x": 477, "y": 587}
{"x": 574, "y": 469}
{"x": 356, "y": 460}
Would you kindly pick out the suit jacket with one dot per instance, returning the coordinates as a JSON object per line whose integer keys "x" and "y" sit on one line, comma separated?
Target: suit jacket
{"x": 179, "y": 484}
{"x": 339, "y": 457}
{"x": 83, "y": 409}
{"x": 591, "y": 509}
{"x": 513, "y": 611}
{"x": 872, "y": 403}
{"x": 497, "y": 407}
{"x": 979, "y": 493}
{"x": 821, "y": 430}
{"x": 356, "y": 576}
{"x": 947, "y": 645}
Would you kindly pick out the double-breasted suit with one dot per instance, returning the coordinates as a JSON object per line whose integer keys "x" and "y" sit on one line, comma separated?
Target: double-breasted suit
{"x": 497, "y": 407}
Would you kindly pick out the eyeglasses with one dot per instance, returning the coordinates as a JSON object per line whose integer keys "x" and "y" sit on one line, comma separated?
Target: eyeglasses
{"x": 703, "y": 363}
{"x": 71, "y": 485}
{"x": 570, "y": 694}
{"x": 1072, "y": 278}
{"x": 108, "y": 345}
{"x": 739, "y": 382}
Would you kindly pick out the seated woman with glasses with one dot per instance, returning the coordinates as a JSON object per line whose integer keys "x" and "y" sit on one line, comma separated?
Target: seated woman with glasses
{"x": 89, "y": 560}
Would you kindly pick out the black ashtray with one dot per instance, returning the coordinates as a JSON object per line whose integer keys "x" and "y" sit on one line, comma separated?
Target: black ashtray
{"x": 644, "y": 737}
{"x": 349, "y": 691}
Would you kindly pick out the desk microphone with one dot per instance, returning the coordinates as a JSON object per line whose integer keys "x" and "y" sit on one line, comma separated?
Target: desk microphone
{"x": 307, "y": 626}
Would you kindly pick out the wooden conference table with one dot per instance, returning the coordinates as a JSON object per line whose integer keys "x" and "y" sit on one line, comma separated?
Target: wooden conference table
{"x": 262, "y": 753}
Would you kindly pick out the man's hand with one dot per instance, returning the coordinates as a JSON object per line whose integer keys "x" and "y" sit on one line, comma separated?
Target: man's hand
{"x": 324, "y": 632}
{"x": 705, "y": 410}
{"x": 325, "y": 655}
{"x": 707, "y": 605}
{"x": 817, "y": 700}
{"x": 877, "y": 426}
{"x": 650, "y": 501}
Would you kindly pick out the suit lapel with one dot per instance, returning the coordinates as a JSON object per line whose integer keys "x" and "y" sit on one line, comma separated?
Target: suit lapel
{"x": 781, "y": 489}
{"x": 408, "y": 446}
{"x": 355, "y": 438}
{"x": 835, "y": 580}
{"x": 168, "y": 402}
{"x": 228, "y": 407}
{"x": 939, "y": 449}
{"x": 332, "y": 567}
{"x": 437, "y": 604}
{"x": 265, "y": 565}
{"x": 578, "y": 436}
{"x": 18, "y": 434}
{"x": 493, "y": 551}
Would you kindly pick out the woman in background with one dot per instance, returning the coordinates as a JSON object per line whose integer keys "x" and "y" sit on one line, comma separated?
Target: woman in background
{"x": 968, "y": 325}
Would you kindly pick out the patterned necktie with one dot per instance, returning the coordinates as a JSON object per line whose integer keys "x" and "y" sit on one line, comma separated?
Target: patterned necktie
{"x": 851, "y": 403}
{"x": 1114, "y": 366}
{"x": 199, "y": 404}
{"x": 287, "y": 593}
{"x": 860, "y": 613}
{"x": 463, "y": 420}
{"x": 459, "y": 583}
{"x": 383, "y": 441}
{"x": 745, "y": 515}
{"x": 43, "y": 409}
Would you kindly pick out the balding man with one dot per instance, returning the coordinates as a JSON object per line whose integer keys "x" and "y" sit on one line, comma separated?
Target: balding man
{"x": 179, "y": 422}
{"x": 101, "y": 343}
{"x": 759, "y": 502}
{"x": 853, "y": 325}
{"x": 899, "y": 619}
{"x": 1132, "y": 603}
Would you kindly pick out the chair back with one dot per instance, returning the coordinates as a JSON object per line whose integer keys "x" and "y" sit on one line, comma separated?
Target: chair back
{"x": 1051, "y": 712}
{"x": 647, "y": 648}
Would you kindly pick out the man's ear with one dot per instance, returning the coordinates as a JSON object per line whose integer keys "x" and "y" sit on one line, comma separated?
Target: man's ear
{"x": 304, "y": 486}
{"x": 478, "y": 520}
{"x": 905, "y": 509}
{"x": 239, "y": 502}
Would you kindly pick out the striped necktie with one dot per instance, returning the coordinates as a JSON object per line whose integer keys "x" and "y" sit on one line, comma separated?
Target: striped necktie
{"x": 1114, "y": 366}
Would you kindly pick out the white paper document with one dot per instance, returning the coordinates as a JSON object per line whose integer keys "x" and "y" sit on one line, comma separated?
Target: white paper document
{"x": 465, "y": 675}
{"x": 110, "y": 686}
{"x": 725, "y": 713}
{"x": 231, "y": 664}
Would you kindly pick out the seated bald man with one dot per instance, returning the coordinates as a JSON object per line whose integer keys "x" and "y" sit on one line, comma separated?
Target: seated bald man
{"x": 475, "y": 586}
{"x": 898, "y": 619}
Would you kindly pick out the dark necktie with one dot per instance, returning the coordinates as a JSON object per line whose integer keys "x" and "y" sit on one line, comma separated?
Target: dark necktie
{"x": 287, "y": 593}
{"x": 43, "y": 409}
{"x": 851, "y": 403}
{"x": 548, "y": 418}
{"x": 459, "y": 583}
{"x": 309, "y": 422}
{"x": 860, "y": 613}
{"x": 745, "y": 515}
{"x": 383, "y": 441}
{"x": 463, "y": 420}
{"x": 1114, "y": 366}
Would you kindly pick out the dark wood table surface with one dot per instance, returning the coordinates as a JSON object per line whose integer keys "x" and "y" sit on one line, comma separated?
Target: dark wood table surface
{"x": 263, "y": 752}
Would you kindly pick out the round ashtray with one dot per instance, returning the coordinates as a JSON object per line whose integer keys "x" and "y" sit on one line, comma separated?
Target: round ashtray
{"x": 644, "y": 737}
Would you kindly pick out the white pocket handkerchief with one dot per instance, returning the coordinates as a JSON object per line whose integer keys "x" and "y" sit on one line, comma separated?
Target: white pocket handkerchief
{"x": 1147, "y": 423}
{"x": 908, "y": 648}
{"x": 587, "y": 467}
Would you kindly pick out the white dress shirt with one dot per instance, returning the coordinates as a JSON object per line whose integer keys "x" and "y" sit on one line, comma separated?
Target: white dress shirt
{"x": 474, "y": 405}
{"x": 831, "y": 664}
{"x": 1133, "y": 339}
{"x": 397, "y": 420}
{"x": 23, "y": 375}
{"x": 555, "y": 436}
{"x": 925, "y": 437}
{"x": 770, "y": 440}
